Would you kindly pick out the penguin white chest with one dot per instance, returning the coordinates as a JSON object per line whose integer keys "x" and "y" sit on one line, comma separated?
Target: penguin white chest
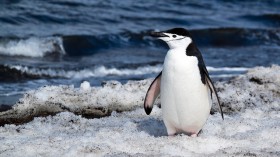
{"x": 185, "y": 99}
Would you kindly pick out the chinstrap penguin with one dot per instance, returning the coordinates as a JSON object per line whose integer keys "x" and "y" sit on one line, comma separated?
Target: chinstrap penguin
{"x": 184, "y": 85}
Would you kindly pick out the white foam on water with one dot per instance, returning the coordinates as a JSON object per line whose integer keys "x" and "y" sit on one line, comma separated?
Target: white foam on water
{"x": 99, "y": 71}
{"x": 102, "y": 71}
{"x": 32, "y": 47}
{"x": 230, "y": 69}
{"x": 224, "y": 75}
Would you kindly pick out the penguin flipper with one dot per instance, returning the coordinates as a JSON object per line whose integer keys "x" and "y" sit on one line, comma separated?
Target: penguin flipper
{"x": 213, "y": 89}
{"x": 152, "y": 93}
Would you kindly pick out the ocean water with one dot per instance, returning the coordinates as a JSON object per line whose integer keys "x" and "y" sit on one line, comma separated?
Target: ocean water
{"x": 69, "y": 41}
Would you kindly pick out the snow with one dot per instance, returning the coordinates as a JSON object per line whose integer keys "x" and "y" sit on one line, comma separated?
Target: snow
{"x": 85, "y": 86}
{"x": 251, "y": 127}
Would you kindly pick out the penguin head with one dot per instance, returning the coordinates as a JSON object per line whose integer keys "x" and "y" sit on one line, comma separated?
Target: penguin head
{"x": 175, "y": 38}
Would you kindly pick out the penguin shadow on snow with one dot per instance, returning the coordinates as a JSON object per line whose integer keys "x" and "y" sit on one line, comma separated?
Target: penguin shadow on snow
{"x": 153, "y": 127}
{"x": 156, "y": 128}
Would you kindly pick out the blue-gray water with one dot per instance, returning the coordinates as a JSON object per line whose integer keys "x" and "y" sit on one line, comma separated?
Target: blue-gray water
{"x": 54, "y": 42}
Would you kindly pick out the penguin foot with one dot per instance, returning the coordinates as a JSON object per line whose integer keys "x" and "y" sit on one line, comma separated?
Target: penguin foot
{"x": 171, "y": 130}
{"x": 194, "y": 135}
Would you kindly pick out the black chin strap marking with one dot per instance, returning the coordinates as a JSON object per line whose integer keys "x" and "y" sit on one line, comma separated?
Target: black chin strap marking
{"x": 176, "y": 39}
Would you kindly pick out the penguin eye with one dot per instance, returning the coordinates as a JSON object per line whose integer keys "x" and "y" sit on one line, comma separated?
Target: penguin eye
{"x": 174, "y": 36}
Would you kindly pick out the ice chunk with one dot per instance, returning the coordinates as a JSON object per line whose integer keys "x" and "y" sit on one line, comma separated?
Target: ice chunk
{"x": 85, "y": 86}
{"x": 259, "y": 88}
{"x": 95, "y": 102}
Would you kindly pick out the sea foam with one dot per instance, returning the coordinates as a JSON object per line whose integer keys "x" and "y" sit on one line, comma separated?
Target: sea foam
{"x": 101, "y": 71}
{"x": 32, "y": 47}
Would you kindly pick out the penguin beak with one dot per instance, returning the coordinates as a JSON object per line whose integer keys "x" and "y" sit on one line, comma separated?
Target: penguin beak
{"x": 158, "y": 34}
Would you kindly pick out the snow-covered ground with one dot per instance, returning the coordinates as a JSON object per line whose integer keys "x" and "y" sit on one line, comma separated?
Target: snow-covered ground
{"x": 251, "y": 127}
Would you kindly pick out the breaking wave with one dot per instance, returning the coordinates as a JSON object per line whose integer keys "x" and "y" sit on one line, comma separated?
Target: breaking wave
{"x": 101, "y": 71}
{"x": 31, "y": 47}
{"x": 216, "y": 37}
{"x": 230, "y": 69}
{"x": 81, "y": 45}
